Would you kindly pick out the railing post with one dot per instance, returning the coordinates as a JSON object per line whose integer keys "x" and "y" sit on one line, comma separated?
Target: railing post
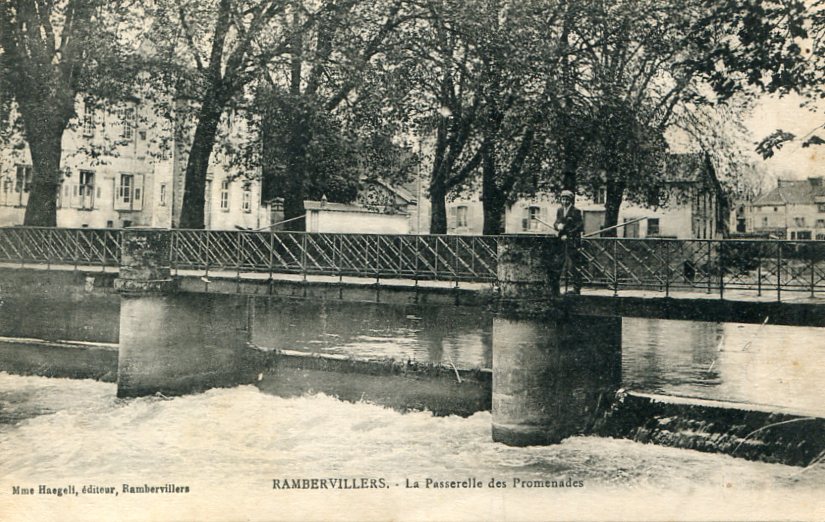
{"x": 172, "y": 251}
{"x": 238, "y": 247}
{"x": 49, "y": 235}
{"x": 667, "y": 268}
{"x": 76, "y": 249}
{"x": 721, "y": 270}
{"x": 401, "y": 240}
{"x": 708, "y": 265}
{"x": 415, "y": 264}
{"x": 455, "y": 260}
{"x": 615, "y": 266}
{"x": 304, "y": 255}
{"x": 377, "y": 259}
{"x": 778, "y": 271}
{"x": 813, "y": 270}
{"x": 339, "y": 265}
{"x": 473, "y": 255}
{"x": 206, "y": 258}
{"x": 103, "y": 261}
{"x": 759, "y": 272}
{"x": 436, "y": 256}
{"x": 271, "y": 257}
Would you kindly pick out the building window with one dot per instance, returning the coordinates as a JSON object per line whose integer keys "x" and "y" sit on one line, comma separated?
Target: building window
{"x": 776, "y": 209}
{"x": 799, "y": 221}
{"x": 820, "y": 223}
{"x": 601, "y": 196}
{"x": 532, "y": 215}
{"x": 820, "y": 207}
{"x": 7, "y": 190}
{"x": 88, "y": 118}
{"x": 765, "y": 221}
{"x": 162, "y": 197}
{"x": 803, "y": 234}
{"x": 246, "y": 203}
{"x": 127, "y": 122}
{"x": 652, "y": 227}
{"x": 86, "y": 190}
{"x": 225, "y": 195}
{"x": 461, "y": 216}
{"x": 127, "y": 183}
{"x": 23, "y": 179}
{"x": 631, "y": 228}
{"x": 129, "y": 192}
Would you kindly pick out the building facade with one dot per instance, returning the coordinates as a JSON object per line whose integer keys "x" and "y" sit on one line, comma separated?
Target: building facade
{"x": 795, "y": 209}
{"x": 124, "y": 165}
{"x": 693, "y": 208}
{"x": 379, "y": 208}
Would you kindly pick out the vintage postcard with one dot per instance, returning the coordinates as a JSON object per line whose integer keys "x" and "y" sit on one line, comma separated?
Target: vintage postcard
{"x": 412, "y": 260}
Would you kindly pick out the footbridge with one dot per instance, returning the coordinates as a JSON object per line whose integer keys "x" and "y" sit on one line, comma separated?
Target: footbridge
{"x": 753, "y": 281}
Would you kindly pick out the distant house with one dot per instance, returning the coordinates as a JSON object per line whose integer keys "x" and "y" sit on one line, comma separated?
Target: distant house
{"x": 379, "y": 208}
{"x": 795, "y": 209}
{"x": 693, "y": 207}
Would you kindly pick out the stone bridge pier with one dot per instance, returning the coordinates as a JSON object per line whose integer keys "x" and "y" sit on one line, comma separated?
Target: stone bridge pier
{"x": 169, "y": 343}
{"x": 554, "y": 373}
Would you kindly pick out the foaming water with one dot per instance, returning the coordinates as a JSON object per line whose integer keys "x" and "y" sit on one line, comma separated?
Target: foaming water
{"x": 227, "y": 445}
{"x": 85, "y": 431}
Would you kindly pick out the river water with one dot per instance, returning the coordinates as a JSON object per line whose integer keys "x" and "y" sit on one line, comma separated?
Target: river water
{"x": 227, "y": 446}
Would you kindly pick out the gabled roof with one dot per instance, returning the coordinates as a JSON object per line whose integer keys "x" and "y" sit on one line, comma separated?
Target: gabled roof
{"x": 794, "y": 192}
{"x": 399, "y": 190}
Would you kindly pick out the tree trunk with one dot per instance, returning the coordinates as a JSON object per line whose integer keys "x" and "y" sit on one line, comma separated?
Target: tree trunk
{"x": 45, "y": 147}
{"x": 295, "y": 173}
{"x": 195, "y": 180}
{"x": 613, "y": 201}
{"x": 438, "y": 182}
{"x": 438, "y": 201}
{"x": 493, "y": 199}
{"x": 569, "y": 170}
{"x": 43, "y": 126}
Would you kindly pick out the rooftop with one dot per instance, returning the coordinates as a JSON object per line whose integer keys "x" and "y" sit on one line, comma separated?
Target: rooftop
{"x": 794, "y": 192}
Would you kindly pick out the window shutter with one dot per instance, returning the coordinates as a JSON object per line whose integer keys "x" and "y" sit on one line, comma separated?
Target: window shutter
{"x": 137, "y": 193}
{"x": 452, "y": 222}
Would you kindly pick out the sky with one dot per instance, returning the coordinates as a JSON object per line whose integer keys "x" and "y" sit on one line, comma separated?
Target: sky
{"x": 792, "y": 161}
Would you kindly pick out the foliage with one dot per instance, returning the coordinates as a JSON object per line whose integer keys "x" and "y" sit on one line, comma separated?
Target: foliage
{"x": 52, "y": 51}
{"x": 307, "y": 150}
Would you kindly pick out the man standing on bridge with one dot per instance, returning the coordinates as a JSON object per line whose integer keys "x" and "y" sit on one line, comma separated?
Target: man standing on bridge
{"x": 570, "y": 225}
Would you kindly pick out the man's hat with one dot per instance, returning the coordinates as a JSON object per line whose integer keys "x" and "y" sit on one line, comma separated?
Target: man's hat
{"x": 567, "y": 193}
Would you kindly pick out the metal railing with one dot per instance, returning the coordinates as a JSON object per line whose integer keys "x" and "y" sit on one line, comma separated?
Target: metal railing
{"x": 759, "y": 267}
{"x": 439, "y": 257}
{"x": 436, "y": 257}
